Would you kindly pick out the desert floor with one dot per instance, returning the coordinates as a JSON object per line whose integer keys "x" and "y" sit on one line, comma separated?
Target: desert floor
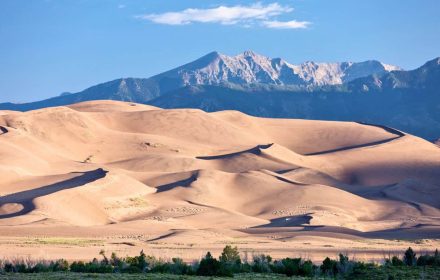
{"x": 176, "y": 183}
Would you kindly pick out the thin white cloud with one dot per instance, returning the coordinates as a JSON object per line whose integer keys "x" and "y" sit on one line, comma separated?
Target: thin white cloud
{"x": 292, "y": 24}
{"x": 227, "y": 15}
{"x": 121, "y": 6}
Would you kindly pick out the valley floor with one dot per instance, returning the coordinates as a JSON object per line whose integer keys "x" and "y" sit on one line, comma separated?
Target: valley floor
{"x": 309, "y": 247}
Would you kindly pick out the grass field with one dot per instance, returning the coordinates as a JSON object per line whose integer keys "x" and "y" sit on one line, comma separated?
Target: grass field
{"x": 74, "y": 276}
{"x": 386, "y": 273}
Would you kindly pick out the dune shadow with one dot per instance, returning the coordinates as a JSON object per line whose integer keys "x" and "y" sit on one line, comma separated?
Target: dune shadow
{"x": 25, "y": 198}
{"x": 415, "y": 232}
{"x": 162, "y": 236}
{"x": 286, "y": 170}
{"x": 285, "y": 180}
{"x": 386, "y": 128}
{"x": 181, "y": 183}
{"x": 419, "y": 231}
{"x": 3, "y": 130}
{"x": 255, "y": 150}
{"x": 396, "y": 132}
{"x": 290, "y": 221}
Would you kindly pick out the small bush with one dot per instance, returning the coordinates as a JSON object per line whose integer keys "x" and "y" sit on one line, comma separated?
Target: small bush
{"x": 307, "y": 269}
{"x": 262, "y": 264}
{"x": 436, "y": 258}
{"x": 137, "y": 264}
{"x": 177, "y": 267}
{"x": 230, "y": 255}
{"x": 40, "y": 267}
{"x": 230, "y": 260}
{"x": 291, "y": 266}
{"x": 410, "y": 258}
{"x": 294, "y": 267}
{"x": 425, "y": 260}
{"x": 59, "y": 265}
{"x": 395, "y": 261}
{"x": 329, "y": 266}
{"x": 78, "y": 266}
{"x": 91, "y": 267}
{"x": 344, "y": 266}
{"x": 210, "y": 266}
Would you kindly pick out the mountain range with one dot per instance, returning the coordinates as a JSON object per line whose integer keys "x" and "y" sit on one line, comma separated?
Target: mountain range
{"x": 369, "y": 91}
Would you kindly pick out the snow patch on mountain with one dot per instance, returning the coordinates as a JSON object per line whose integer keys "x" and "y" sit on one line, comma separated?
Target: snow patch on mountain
{"x": 250, "y": 67}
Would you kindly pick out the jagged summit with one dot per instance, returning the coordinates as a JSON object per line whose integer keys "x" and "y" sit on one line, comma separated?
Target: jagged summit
{"x": 425, "y": 77}
{"x": 250, "y": 67}
{"x": 249, "y": 53}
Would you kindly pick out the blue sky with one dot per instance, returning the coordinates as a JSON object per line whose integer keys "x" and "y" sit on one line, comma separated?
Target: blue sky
{"x": 51, "y": 46}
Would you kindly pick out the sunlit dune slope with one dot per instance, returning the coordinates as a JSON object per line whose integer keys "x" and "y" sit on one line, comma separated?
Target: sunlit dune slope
{"x": 108, "y": 163}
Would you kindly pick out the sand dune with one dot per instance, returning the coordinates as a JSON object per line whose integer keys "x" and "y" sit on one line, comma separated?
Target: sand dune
{"x": 111, "y": 169}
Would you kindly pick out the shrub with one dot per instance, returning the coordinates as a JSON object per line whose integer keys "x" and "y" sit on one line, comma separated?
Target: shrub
{"x": 97, "y": 267}
{"x": 395, "y": 261}
{"x": 105, "y": 260}
{"x": 275, "y": 267}
{"x": 230, "y": 260}
{"x": 359, "y": 268}
{"x": 291, "y": 266}
{"x": 40, "y": 267}
{"x": 230, "y": 255}
{"x": 436, "y": 258}
{"x": 410, "y": 258}
{"x": 295, "y": 266}
{"x": 329, "y": 266}
{"x": 59, "y": 265}
{"x": 344, "y": 266}
{"x": 159, "y": 267}
{"x": 78, "y": 266}
{"x": 136, "y": 264}
{"x": 245, "y": 268}
{"x": 261, "y": 264}
{"x": 177, "y": 267}
{"x": 425, "y": 260}
{"x": 91, "y": 267}
{"x": 118, "y": 264}
{"x": 429, "y": 260}
{"x": 210, "y": 266}
{"x": 307, "y": 269}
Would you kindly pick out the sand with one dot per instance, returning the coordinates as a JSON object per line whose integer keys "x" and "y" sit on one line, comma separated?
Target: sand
{"x": 124, "y": 177}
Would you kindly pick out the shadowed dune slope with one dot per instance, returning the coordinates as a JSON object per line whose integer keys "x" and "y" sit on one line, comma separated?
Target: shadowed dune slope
{"x": 188, "y": 172}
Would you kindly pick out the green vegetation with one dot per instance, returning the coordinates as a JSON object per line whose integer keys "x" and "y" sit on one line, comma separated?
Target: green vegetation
{"x": 229, "y": 264}
{"x": 65, "y": 241}
{"x": 147, "y": 276}
{"x": 138, "y": 202}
